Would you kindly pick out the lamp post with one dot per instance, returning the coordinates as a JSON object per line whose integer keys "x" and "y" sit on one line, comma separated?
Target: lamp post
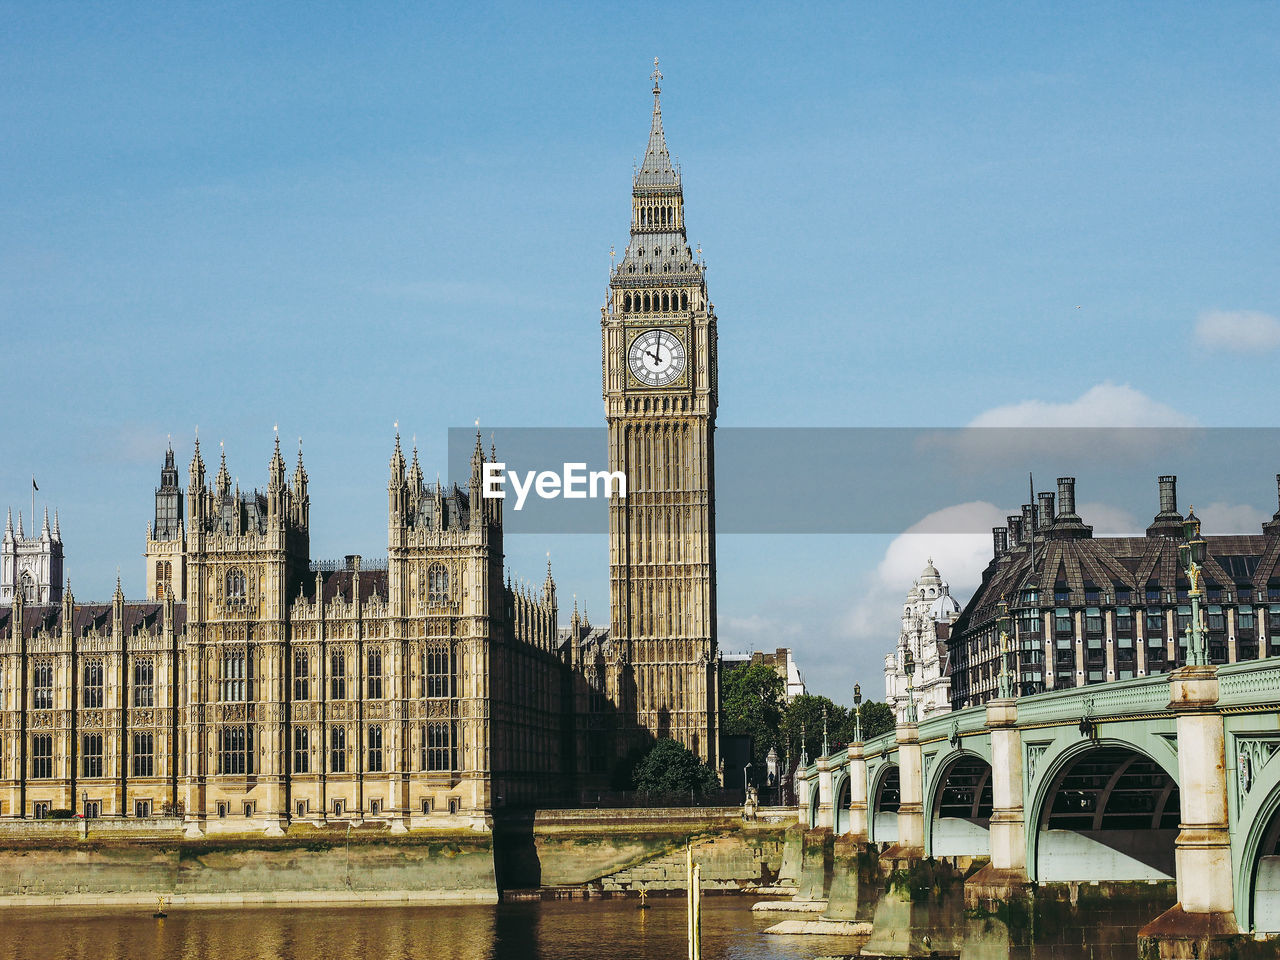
{"x": 1005, "y": 686}
{"x": 857, "y": 713}
{"x": 1191, "y": 554}
{"x": 909, "y": 667}
{"x": 826, "y": 744}
{"x": 746, "y": 785}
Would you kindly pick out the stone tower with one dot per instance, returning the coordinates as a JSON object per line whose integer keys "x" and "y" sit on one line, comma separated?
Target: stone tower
{"x": 31, "y": 566}
{"x": 659, "y": 357}
{"x": 166, "y": 557}
{"x": 247, "y": 557}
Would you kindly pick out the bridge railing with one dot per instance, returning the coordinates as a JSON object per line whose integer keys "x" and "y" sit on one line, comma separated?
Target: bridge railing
{"x": 1251, "y": 683}
{"x": 1118, "y": 698}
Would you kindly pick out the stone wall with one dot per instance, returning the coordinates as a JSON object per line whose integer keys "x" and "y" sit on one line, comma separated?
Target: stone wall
{"x": 619, "y": 851}
{"x": 307, "y": 864}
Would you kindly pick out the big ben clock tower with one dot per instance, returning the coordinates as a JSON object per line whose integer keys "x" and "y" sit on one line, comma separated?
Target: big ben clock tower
{"x": 659, "y": 354}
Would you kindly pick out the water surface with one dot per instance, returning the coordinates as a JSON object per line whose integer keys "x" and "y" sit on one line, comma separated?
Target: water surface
{"x": 552, "y": 930}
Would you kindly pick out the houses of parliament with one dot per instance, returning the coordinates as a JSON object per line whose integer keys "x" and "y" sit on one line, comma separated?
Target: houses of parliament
{"x": 255, "y": 687}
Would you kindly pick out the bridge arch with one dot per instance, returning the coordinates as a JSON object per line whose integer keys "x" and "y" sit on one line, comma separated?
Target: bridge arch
{"x": 958, "y": 807}
{"x": 840, "y": 797}
{"x": 1257, "y": 872}
{"x": 884, "y": 798}
{"x": 815, "y": 804}
{"x": 1103, "y": 807}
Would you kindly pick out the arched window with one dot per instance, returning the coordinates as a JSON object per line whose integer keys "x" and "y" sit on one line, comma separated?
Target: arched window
{"x": 337, "y": 676}
{"x": 437, "y": 584}
{"x": 301, "y": 750}
{"x": 164, "y": 578}
{"x": 666, "y": 303}
{"x": 235, "y": 587}
{"x": 28, "y": 588}
{"x": 626, "y": 302}
{"x": 301, "y": 676}
{"x": 233, "y": 676}
{"x": 684, "y": 300}
{"x": 42, "y": 685}
{"x": 338, "y": 750}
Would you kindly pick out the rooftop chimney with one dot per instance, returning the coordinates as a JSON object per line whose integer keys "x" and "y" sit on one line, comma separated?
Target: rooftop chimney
{"x": 1272, "y": 526}
{"x": 1000, "y": 540}
{"x": 1015, "y": 530}
{"x": 1068, "y": 522}
{"x": 1046, "y": 509}
{"x": 1168, "y": 522}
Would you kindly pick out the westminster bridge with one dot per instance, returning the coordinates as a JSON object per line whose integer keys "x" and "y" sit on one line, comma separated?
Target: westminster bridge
{"x": 1168, "y": 777}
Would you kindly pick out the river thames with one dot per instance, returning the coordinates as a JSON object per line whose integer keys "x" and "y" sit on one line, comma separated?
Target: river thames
{"x": 551, "y": 930}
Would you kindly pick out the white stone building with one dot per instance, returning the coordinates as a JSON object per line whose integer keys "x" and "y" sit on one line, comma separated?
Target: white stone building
{"x": 927, "y": 616}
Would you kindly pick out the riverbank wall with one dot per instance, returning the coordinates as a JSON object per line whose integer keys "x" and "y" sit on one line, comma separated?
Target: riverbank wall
{"x": 554, "y": 853}
{"x": 619, "y": 852}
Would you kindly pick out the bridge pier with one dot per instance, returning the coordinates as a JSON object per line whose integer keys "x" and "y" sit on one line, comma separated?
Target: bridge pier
{"x": 826, "y": 802}
{"x": 998, "y": 899}
{"x": 1203, "y": 922}
{"x": 911, "y": 786}
{"x": 857, "y": 794}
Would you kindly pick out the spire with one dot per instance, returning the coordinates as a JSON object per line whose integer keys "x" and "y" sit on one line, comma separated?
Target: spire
{"x": 299, "y": 472}
{"x": 657, "y": 170}
{"x": 277, "y": 464}
{"x": 8, "y": 525}
{"x": 397, "y": 458}
{"x": 44, "y": 527}
{"x": 223, "y": 480}
{"x": 21, "y": 534}
{"x": 196, "y": 470}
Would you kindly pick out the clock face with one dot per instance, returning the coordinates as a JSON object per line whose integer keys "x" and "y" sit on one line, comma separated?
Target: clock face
{"x": 656, "y": 358}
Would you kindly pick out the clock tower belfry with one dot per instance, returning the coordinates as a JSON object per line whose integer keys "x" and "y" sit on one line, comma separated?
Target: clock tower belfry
{"x": 659, "y": 358}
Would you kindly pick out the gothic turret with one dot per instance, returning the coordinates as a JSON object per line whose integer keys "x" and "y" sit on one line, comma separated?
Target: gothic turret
{"x": 168, "y": 521}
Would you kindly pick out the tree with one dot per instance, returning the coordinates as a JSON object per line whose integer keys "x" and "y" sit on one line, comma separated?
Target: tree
{"x": 877, "y": 718}
{"x": 670, "y": 767}
{"x": 805, "y": 712}
{"x": 752, "y": 700}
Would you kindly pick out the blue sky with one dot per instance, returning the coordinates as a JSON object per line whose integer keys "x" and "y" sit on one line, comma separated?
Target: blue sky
{"x": 333, "y": 217}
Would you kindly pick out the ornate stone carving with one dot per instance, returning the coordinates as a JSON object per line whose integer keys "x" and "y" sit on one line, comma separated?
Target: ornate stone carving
{"x": 1252, "y": 754}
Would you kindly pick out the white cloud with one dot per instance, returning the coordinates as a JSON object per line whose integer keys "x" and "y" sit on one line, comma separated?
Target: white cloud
{"x": 1104, "y": 405}
{"x": 1221, "y": 518}
{"x": 960, "y": 555}
{"x": 1109, "y": 521}
{"x": 1239, "y": 331}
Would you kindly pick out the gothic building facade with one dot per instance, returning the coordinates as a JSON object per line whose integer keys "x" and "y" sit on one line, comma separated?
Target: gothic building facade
{"x": 255, "y": 686}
